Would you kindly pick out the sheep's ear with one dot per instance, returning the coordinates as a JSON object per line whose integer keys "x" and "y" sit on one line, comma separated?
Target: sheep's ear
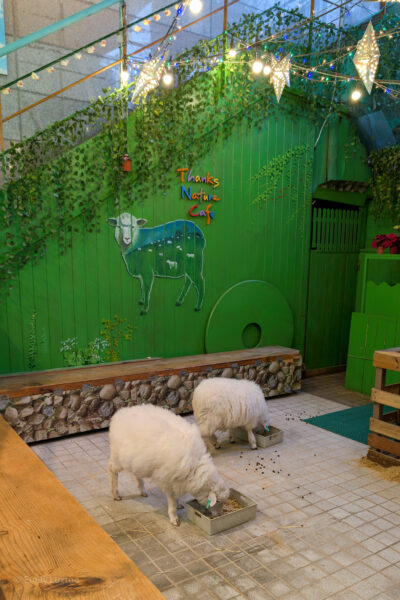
{"x": 141, "y": 222}
{"x": 112, "y": 221}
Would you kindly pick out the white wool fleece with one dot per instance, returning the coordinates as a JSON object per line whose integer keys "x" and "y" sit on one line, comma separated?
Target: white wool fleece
{"x": 153, "y": 442}
{"x": 220, "y": 403}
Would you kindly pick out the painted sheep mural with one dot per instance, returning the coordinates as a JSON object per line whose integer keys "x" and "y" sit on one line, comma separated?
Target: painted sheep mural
{"x": 173, "y": 250}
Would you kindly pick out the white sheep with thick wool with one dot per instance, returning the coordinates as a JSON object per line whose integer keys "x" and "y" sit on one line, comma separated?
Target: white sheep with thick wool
{"x": 220, "y": 403}
{"x": 153, "y": 442}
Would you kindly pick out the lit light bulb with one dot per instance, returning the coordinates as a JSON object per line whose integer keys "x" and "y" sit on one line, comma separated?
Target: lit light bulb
{"x": 232, "y": 53}
{"x": 196, "y": 6}
{"x": 167, "y": 79}
{"x": 356, "y": 95}
{"x": 124, "y": 77}
{"x": 257, "y": 66}
{"x": 267, "y": 70}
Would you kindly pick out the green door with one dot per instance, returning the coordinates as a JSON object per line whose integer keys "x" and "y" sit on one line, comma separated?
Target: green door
{"x": 336, "y": 238}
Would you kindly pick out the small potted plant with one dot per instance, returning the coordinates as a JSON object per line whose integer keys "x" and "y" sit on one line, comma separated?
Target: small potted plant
{"x": 390, "y": 240}
{"x": 379, "y": 243}
{"x": 393, "y": 242}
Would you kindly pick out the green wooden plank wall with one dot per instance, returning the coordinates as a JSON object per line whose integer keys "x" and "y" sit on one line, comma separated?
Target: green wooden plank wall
{"x": 70, "y": 294}
{"x": 367, "y": 334}
{"x": 330, "y": 305}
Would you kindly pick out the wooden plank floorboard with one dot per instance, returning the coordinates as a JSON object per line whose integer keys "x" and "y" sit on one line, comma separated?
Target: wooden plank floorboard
{"x": 50, "y": 547}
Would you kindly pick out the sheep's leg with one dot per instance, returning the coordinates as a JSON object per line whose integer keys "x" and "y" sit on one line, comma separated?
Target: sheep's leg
{"x": 113, "y": 473}
{"x": 184, "y": 291}
{"x": 141, "y": 301}
{"x": 148, "y": 280}
{"x": 179, "y": 504}
{"x": 214, "y": 441}
{"x": 198, "y": 278}
{"x": 140, "y": 484}
{"x": 208, "y": 443}
{"x": 172, "y": 505}
{"x": 200, "y": 288}
{"x": 252, "y": 438}
{"x": 232, "y": 438}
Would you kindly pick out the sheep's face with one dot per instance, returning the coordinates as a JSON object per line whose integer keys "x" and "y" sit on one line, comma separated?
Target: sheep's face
{"x": 264, "y": 421}
{"x": 220, "y": 491}
{"x": 126, "y": 228}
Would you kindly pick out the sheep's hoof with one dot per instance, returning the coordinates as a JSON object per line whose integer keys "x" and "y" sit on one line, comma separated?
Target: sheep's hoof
{"x": 254, "y": 447}
{"x": 176, "y": 522}
{"x": 180, "y": 506}
{"x": 144, "y": 494}
{"x": 117, "y": 498}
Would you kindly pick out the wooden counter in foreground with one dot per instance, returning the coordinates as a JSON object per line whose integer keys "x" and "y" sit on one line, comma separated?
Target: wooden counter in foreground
{"x": 50, "y": 547}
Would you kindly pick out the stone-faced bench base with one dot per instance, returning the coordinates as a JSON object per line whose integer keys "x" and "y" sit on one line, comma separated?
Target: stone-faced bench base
{"x": 61, "y": 412}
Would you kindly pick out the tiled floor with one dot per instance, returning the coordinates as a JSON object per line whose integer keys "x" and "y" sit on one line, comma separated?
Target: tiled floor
{"x": 332, "y": 387}
{"x": 326, "y": 527}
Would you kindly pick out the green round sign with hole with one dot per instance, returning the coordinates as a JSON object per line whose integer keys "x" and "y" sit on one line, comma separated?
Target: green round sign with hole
{"x": 249, "y": 314}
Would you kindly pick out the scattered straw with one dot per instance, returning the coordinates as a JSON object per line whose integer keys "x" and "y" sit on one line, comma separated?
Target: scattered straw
{"x": 388, "y": 473}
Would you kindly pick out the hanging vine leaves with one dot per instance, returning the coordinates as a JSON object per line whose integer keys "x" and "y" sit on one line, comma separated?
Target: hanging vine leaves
{"x": 59, "y": 176}
{"x": 385, "y": 183}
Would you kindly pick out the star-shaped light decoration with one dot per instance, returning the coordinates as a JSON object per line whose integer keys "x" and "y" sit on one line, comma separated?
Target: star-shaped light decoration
{"x": 280, "y": 74}
{"x": 366, "y": 58}
{"x": 149, "y": 77}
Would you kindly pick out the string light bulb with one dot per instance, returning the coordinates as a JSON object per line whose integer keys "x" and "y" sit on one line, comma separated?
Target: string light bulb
{"x": 167, "y": 78}
{"x": 267, "y": 70}
{"x": 232, "y": 53}
{"x": 257, "y": 66}
{"x": 124, "y": 76}
{"x": 195, "y": 6}
{"x": 356, "y": 95}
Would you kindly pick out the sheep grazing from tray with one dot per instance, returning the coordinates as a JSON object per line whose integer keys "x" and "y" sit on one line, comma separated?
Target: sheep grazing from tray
{"x": 153, "y": 442}
{"x": 220, "y": 404}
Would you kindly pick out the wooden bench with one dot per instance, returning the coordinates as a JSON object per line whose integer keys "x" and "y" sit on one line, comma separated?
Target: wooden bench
{"x": 45, "y": 404}
{"x": 40, "y": 382}
{"x": 384, "y": 436}
{"x": 50, "y": 547}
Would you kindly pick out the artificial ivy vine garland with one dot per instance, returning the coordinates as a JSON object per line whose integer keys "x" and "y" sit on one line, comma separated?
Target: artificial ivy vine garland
{"x": 385, "y": 183}
{"x": 49, "y": 182}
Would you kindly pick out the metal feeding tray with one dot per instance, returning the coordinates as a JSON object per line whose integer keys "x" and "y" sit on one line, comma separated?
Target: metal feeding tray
{"x": 213, "y": 525}
{"x": 265, "y": 439}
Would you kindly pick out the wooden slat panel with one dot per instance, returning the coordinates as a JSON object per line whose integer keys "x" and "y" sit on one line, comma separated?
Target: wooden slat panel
{"x": 387, "y": 359}
{"x": 49, "y": 545}
{"x": 383, "y": 459}
{"x": 385, "y": 398}
{"x": 22, "y": 384}
{"x": 383, "y": 443}
{"x": 391, "y": 431}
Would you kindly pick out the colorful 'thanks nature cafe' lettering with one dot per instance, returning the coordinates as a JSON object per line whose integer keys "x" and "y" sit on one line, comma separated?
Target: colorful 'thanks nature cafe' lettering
{"x": 200, "y": 196}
